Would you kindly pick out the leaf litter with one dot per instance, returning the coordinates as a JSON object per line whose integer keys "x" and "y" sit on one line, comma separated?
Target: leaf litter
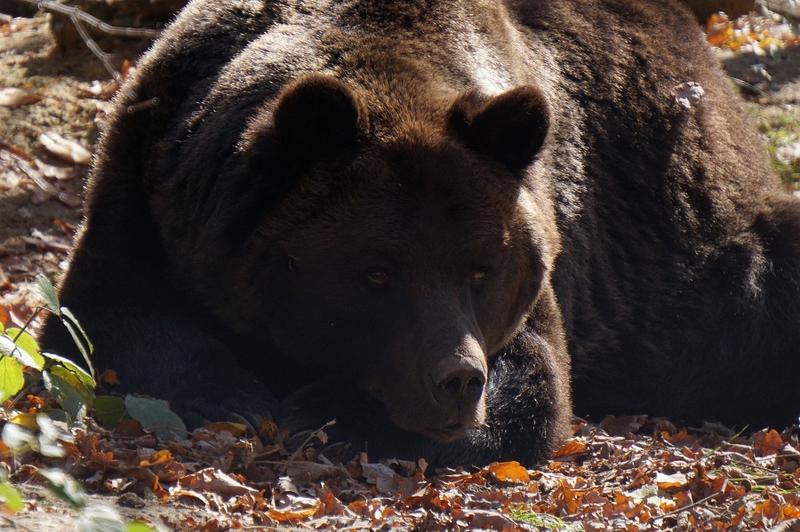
{"x": 652, "y": 478}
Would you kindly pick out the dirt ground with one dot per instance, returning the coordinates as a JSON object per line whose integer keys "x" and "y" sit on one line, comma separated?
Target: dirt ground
{"x": 66, "y": 91}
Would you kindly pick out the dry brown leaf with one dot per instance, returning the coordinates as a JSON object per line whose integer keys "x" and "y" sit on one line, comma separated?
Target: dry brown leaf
{"x": 767, "y": 510}
{"x": 64, "y": 148}
{"x": 62, "y": 173}
{"x": 129, "y": 428}
{"x": 673, "y": 481}
{"x": 157, "y": 458}
{"x": 283, "y": 516}
{"x": 14, "y": 97}
{"x": 215, "y": 481}
{"x": 509, "y": 472}
{"x": 108, "y": 376}
{"x": 767, "y": 442}
{"x": 235, "y": 429}
{"x": 679, "y": 437}
{"x": 623, "y": 425}
{"x": 489, "y": 520}
{"x": 304, "y": 471}
{"x": 380, "y": 475}
{"x": 570, "y": 448}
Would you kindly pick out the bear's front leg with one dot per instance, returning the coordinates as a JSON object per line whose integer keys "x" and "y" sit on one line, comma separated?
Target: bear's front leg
{"x": 158, "y": 343}
{"x": 528, "y": 414}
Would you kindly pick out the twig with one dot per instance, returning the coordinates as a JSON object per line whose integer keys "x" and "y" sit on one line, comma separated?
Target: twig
{"x": 299, "y": 451}
{"x": 95, "y": 48}
{"x": 688, "y": 506}
{"x": 96, "y": 23}
{"x": 79, "y": 17}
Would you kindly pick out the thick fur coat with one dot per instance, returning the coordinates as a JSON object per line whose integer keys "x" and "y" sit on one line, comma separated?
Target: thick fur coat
{"x": 618, "y": 248}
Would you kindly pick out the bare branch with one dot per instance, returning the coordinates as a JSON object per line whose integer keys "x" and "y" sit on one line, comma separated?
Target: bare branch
{"x": 76, "y": 13}
{"x": 79, "y": 17}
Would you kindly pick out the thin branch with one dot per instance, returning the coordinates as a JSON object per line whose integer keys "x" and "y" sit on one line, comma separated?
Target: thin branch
{"x": 688, "y": 506}
{"x": 95, "y": 48}
{"x": 79, "y": 18}
{"x": 94, "y": 22}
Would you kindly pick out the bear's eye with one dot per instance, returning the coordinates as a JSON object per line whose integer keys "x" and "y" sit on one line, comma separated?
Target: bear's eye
{"x": 378, "y": 277}
{"x": 478, "y": 277}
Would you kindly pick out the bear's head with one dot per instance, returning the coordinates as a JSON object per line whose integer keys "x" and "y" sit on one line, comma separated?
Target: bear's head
{"x": 402, "y": 263}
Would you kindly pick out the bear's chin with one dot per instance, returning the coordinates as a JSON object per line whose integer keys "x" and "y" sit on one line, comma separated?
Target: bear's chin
{"x": 447, "y": 433}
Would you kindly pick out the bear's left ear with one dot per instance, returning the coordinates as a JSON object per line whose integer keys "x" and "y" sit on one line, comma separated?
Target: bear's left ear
{"x": 509, "y": 128}
{"x": 318, "y": 118}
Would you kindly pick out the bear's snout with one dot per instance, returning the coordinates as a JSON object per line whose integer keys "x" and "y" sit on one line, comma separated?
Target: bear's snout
{"x": 457, "y": 386}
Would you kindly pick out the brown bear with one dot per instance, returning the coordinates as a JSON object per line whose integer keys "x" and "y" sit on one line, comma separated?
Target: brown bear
{"x": 439, "y": 222}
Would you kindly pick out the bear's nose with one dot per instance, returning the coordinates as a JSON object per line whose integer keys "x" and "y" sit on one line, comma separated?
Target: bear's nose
{"x": 458, "y": 382}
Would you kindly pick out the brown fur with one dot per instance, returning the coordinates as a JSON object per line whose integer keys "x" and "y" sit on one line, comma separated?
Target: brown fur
{"x": 300, "y": 152}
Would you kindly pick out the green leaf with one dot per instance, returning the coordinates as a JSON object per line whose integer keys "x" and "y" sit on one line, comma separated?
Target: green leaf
{"x": 139, "y": 527}
{"x": 70, "y": 392}
{"x": 12, "y": 500}
{"x": 11, "y": 378}
{"x": 26, "y": 343}
{"x": 81, "y": 373}
{"x": 48, "y": 293}
{"x": 109, "y": 410}
{"x": 10, "y": 349}
{"x": 81, "y": 347}
{"x": 64, "y": 487}
{"x": 71, "y": 317}
{"x": 155, "y": 416}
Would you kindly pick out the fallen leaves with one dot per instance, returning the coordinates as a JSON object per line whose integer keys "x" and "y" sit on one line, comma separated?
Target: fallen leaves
{"x": 767, "y": 442}
{"x": 64, "y": 148}
{"x": 509, "y": 472}
{"x": 215, "y": 481}
{"x": 15, "y": 97}
{"x": 649, "y": 479}
{"x": 761, "y": 35}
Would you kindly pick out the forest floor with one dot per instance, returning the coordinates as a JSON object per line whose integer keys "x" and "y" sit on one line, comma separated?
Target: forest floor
{"x": 629, "y": 473}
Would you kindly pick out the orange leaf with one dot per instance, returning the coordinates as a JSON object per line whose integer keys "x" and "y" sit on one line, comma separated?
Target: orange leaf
{"x": 293, "y": 515}
{"x": 767, "y": 509}
{"x": 158, "y": 457}
{"x": 108, "y": 376}
{"x": 790, "y": 512}
{"x": 4, "y": 316}
{"x": 509, "y": 472}
{"x": 665, "y": 482}
{"x": 767, "y": 442}
{"x": 678, "y": 437}
{"x": 37, "y": 401}
{"x": 571, "y": 448}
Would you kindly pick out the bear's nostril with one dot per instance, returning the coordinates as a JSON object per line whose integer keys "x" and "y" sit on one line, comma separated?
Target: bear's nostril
{"x": 475, "y": 384}
{"x": 452, "y": 386}
{"x": 463, "y": 384}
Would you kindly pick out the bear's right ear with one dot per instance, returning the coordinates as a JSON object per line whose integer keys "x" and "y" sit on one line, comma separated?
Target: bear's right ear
{"x": 510, "y": 128}
{"x": 317, "y": 118}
